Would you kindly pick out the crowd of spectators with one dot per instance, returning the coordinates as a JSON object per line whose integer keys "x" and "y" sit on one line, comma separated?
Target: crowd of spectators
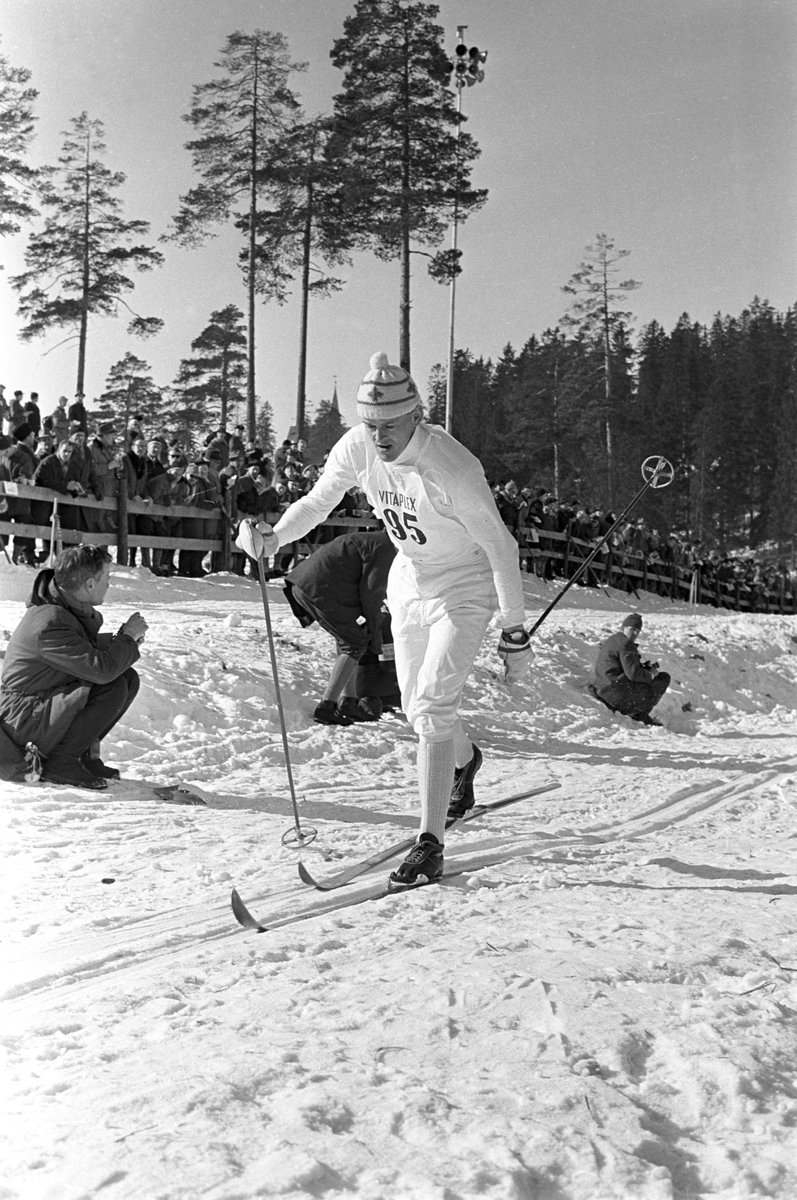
{"x": 229, "y": 477}
{"x": 533, "y": 515}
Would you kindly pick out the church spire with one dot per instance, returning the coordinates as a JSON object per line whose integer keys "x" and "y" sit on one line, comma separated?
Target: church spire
{"x": 335, "y": 396}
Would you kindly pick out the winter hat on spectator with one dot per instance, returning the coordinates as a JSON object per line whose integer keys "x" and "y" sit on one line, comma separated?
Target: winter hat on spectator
{"x": 21, "y": 431}
{"x": 386, "y": 391}
{"x": 634, "y": 620}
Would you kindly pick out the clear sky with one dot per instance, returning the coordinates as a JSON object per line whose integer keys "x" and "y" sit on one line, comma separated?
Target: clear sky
{"x": 669, "y": 126}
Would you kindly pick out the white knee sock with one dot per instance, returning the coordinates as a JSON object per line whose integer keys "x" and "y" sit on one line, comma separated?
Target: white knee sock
{"x": 435, "y": 780}
{"x": 463, "y": 747}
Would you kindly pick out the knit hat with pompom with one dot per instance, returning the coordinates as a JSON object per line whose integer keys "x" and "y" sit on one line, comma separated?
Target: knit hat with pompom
{"x": 386, "y": 391}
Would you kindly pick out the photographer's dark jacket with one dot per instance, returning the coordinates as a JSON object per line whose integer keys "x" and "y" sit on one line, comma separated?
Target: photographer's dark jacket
{"x": 618, "y": 658}
{"x": 54, "y": 656}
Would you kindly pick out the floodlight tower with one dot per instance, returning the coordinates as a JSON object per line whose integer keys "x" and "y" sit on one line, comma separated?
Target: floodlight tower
{"x": 467, "y": 70}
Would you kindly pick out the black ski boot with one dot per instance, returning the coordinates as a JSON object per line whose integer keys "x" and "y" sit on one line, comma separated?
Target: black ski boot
{"x": 97, "y": 767}
{"x": 462, "y": 797}
{"x": 423, "y": 864}
{"x": 367, "y": 708}
{"x": 645, "y": 719}
{"x": 68, "y": 769}
{"x": 328, "y": 713}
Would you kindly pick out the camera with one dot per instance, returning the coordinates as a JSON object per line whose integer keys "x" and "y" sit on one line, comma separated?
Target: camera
{"x": 650, "y": 666}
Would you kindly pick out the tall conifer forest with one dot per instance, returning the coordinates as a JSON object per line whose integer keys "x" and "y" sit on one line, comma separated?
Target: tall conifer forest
{"x": 718, "y": 401}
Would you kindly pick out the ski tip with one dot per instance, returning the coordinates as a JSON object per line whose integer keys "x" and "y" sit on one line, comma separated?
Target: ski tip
{"x": 243, "y": 915}
{"x": 305, "y": 876}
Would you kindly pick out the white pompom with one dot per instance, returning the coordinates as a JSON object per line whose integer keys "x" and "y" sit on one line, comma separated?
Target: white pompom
{"x": 379, "y": 361}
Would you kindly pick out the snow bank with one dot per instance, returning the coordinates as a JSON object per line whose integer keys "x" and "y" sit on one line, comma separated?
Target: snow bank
{"x": 607, "y": 1009}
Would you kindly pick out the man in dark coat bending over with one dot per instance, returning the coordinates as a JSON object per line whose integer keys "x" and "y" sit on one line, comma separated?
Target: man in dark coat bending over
{"x": 342, "y": 585}
{"x": 65, "y": 685}
{"x": 622, "y": 681}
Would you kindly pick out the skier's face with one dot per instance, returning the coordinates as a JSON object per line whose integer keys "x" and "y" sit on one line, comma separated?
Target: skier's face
{"x": 392, "y": 437}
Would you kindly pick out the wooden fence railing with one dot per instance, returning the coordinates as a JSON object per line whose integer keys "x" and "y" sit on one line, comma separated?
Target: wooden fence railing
{"x": 121, "y": 507}
{"x": 634, "y": 571}
{"x": 627, "y": 570}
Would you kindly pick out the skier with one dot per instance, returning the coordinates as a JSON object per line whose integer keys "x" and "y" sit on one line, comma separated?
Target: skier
{"x": 342, "y": 585}
{"x": 622, "y": 681}
{"x": 457, "y": 563}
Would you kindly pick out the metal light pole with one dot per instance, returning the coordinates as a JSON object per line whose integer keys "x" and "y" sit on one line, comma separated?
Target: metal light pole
{"x": 467, "y": 71}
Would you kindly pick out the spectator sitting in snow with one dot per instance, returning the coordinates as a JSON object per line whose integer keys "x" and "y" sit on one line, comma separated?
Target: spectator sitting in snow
{"x": 622, "y": 681}
{"x": 65, "y": 685}
{"x": 342, "y": 586}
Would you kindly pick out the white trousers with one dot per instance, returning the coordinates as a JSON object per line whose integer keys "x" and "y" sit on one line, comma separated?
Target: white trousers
{"x": 436, "y": 642}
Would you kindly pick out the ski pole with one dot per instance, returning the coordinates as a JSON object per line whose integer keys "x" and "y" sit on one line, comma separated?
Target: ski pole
{"x": 296, "y": 836}
{"x": 250, "y": 541}
{"x": 657, "y": 472}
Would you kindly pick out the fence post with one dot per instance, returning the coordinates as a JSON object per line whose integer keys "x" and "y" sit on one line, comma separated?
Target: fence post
{"x": 644, "y": 572}
{"x": 226, "y": 532}
{"x": 121, "y": 520}
{"x": 566, "y": 559}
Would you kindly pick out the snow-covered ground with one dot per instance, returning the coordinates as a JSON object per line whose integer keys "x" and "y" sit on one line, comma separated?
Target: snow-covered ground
{"x": 607, "y": 1009}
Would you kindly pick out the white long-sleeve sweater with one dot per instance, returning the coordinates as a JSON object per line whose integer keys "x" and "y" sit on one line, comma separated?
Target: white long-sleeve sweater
{"x": 436, "y": 506}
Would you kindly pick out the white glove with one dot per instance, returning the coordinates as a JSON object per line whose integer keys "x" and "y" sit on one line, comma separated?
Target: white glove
{"x": 256, "y": 538}
{"x": 514, "y": 649}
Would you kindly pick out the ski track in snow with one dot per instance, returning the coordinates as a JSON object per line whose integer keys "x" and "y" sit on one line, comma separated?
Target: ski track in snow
{"x": 604, "y": 1005}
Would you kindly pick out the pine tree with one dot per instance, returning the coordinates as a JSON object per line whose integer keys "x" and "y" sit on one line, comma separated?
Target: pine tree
{"x": 241, "y": 119}
{"x": 595, "y": 312}
{"x": 212, "y": 379}
{"x": 672, "y": 383}
{"x": 17, "y": 178}
{"x": 436, "y": 392}
{"x": 129, "y": 389}
{"x": 539, "y": 399}
{"x": 76, "y": 263}
{"x": 473, "y": 415}
{"x": 395, "y": 126}
{"x": 325, "y": 430}
{"x": 783, "y": 513}
{"x": 302, "y": 228}
{"x": 767, "y": 370}
{"x": 264, "y": 427}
